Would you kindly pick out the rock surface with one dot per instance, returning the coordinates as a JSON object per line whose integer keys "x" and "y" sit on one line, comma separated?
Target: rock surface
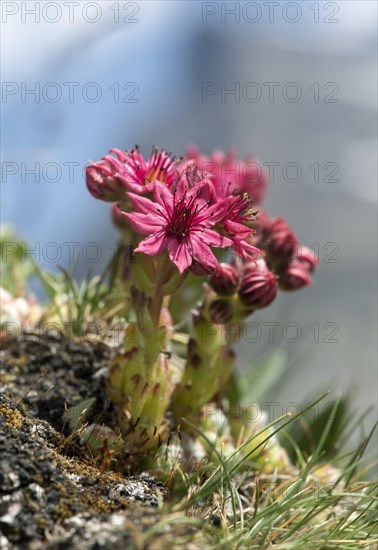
{"x": 52, "y": 495}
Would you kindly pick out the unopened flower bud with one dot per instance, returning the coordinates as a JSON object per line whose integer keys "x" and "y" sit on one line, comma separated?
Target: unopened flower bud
{"x": 295, "y": 276}
{"x": 306, "y": 256}
{"x": 201, "y": 270}
{"x": 276, "y": 238}
{"x": 220, "y": 312}
{"x": 104, "y": 181}
{"x": 258, "y": 287}
{"x": 226, "y": 281}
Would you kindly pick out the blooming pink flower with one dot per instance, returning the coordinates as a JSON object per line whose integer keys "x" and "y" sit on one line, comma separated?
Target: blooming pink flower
{"x": 238, "y": 216}
{"x": 226, "y": 171}
{"x": 111, "y": 177}
{"x": 179, "y": 221}
{"x": 140, "y": 174}
{"x": 229, "y": 182}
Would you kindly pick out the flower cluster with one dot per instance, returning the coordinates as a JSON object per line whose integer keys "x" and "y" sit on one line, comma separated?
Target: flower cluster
{"x": 178, "y": 208}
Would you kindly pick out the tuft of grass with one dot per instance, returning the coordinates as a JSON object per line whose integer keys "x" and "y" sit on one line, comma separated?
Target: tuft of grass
{"x": 233, "y": 506}
{"x": 76, "y": 306}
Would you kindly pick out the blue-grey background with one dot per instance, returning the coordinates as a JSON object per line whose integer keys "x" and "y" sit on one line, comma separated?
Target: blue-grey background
{"x": 168, "y": 52}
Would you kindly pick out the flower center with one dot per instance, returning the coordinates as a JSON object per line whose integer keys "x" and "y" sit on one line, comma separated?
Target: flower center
{"x": 181, "y": 220}
{"x": 185, "y": 213}
{"x": 161, "y": 166}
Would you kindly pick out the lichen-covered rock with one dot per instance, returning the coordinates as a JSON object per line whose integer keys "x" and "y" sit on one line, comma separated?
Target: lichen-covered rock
{"x": 45, "y": 372}
{"x": 52, "y": 494}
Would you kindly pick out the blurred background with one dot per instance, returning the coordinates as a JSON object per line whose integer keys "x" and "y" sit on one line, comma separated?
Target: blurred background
{"x": 294, "y": 84}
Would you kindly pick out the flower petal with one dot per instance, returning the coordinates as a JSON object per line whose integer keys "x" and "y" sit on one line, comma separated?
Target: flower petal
{"x": 236, "y": 228}
{"x": 203, "y": 254}
{"x": 212, "y": 238}
{"x": 246, "y": 250}
{"x": 145, "y": 224}
{"x": 142, "y": 204}
{"x": 216, "y": 212}
{"x": 179, "y": 254}
{"x": 154, "y": 244}
{"x": 164, "y": 197}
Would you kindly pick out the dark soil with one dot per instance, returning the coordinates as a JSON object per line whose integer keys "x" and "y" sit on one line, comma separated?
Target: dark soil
{"x": 52, "y": 494}
{"x": 44, "y": 373}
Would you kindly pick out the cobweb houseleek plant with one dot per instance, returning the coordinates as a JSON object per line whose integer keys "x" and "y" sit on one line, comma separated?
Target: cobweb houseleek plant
{"x": 180, "y": 216}
{"x": 194, "y": 226}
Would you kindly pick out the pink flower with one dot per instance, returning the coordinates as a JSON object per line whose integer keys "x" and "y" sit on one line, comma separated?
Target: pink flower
{"x": 226, "y": 170}
{"x": 179, "y": 221}
{"x": 229, "y": 182}
{"x": 111, "y": 177}
{"x": 140, "y": 174}
{"x": 238, "y": 215}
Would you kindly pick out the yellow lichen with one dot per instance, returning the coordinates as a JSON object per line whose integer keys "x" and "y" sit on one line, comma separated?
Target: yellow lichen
{"x": 13, "y": 417}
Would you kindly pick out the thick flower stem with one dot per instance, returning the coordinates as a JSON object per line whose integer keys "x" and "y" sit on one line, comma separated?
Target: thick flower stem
{"x": 163, "y": 271}
{"x": 217, "y": 325}
{"x": 156, "y": 306}
{"x": 140, "y": 384}
{"x": 209, "y": 366}
{"x": 168, "y": 282}
{"x": 140, "y": 378}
